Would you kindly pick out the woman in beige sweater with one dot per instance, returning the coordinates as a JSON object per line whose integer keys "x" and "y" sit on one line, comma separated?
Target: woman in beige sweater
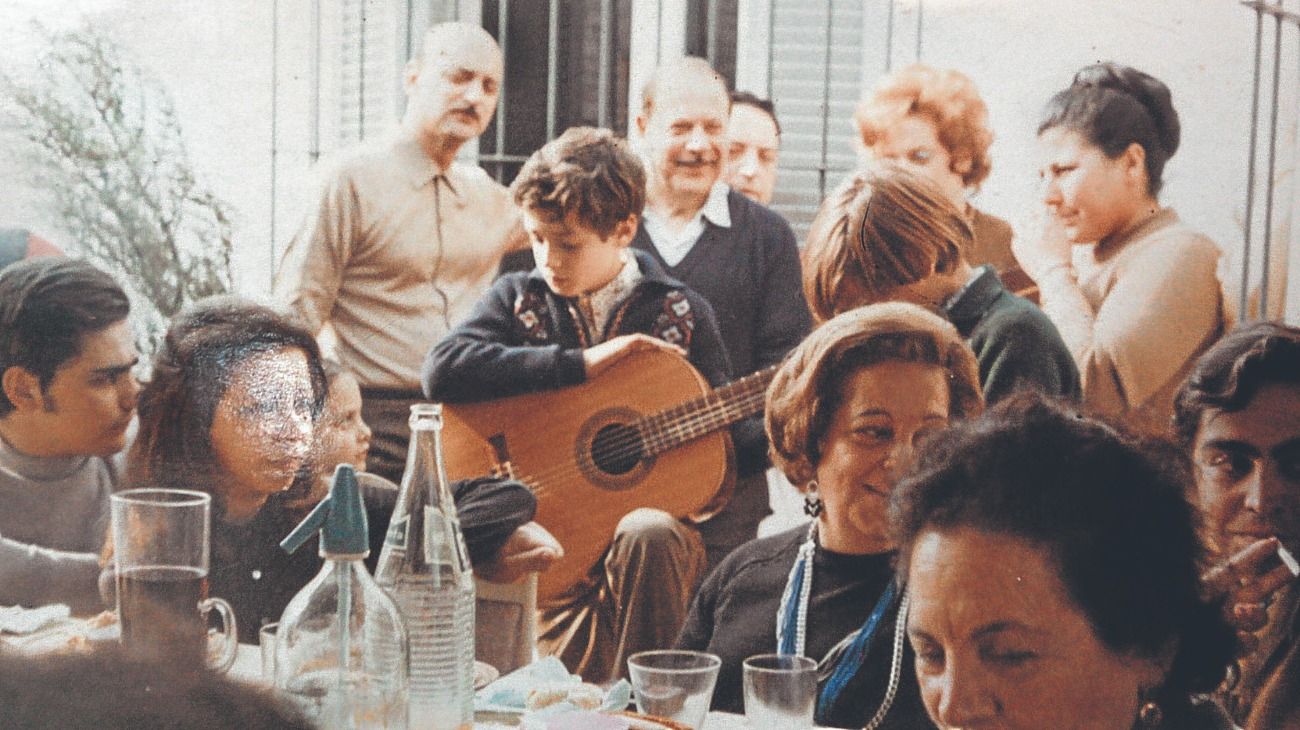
{"x": 1134, "y": 292}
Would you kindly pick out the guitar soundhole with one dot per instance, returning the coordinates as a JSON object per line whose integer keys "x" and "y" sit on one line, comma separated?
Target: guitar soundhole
{"x": 610, "y": 452}
{"x": 616, "y": 449}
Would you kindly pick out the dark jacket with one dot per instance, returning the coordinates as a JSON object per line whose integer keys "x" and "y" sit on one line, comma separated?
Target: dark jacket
{"x": 248, "y": 568}
{"x": 1016, "y": 345}
{"x": 734, "y": 616}
{"x": 524, "y": 338}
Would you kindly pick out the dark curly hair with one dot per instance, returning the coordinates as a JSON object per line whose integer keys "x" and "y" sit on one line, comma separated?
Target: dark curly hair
{"x": 205, "y": 345}
{"x": 1112, "y": 106}
{"x": 1227, "y": 376}
{"x": 1108, "y": 510}
{"x": 586, "y": 172}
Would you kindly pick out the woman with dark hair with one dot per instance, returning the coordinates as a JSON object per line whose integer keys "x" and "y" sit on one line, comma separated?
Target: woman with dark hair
{"x": 230, "y": 410}
{"x": 1238, "y": 415}
{"x": 1134, "y": 292}
{"x": 239, "y": 406}
{"x": 1053, "y": 571}
{"x": 845, "y": 413}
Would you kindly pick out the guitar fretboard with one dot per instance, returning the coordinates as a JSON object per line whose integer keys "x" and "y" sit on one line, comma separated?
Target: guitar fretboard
{"x": 717, "y": 409}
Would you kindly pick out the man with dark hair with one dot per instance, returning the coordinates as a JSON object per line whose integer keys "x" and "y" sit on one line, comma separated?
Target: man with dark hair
{"x": 67, "y": 396}
{"x": 1238, "y": 414}
{"x": 755, "y": 146}
{"x": 738, "y": 254}
{"x": 403, "y": 239}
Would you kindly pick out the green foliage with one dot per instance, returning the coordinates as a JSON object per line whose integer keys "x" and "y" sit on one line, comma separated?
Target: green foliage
{"x": 104, "y": 147}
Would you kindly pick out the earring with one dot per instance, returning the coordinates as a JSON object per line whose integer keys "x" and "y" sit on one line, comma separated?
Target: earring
{"x": 1150, "y": 714}
{"x": 812, "y": 503}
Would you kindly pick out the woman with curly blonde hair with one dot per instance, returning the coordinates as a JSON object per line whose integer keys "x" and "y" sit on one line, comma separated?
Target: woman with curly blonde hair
{"x": 845, "y": 413}
{"x": 934, "y": 121}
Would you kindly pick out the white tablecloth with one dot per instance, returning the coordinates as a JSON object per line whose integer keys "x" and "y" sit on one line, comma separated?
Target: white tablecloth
{"x": 248, "y": 668}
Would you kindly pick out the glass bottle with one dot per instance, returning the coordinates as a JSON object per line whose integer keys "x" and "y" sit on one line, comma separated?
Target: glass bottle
{"x": 426, "y": 569}
{"x": 340, "y": 651}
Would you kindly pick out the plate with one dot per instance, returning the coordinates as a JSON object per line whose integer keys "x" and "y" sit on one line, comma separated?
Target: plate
{"x": 484, "y": 674}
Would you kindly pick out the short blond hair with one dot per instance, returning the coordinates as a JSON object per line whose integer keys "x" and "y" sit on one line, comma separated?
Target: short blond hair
{"x": 808, "y": 387}
{"x": 882, "y": 228}
{"x": 946, "y": 97}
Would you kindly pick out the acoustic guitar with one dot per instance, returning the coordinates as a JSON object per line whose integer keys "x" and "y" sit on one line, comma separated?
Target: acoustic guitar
{"x": 648, "y": 432}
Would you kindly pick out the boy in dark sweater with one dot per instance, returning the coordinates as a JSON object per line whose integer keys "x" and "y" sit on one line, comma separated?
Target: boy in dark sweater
{"x": 590, "y": 302}
{"x": 892, "y": 235}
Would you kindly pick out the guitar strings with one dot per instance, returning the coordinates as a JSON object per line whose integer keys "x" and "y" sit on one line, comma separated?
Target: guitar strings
{"x": 712, "y": 410}
{"x": 637, "y": 441}
{"x": 541, "y": 482}
{"x": 634, "y": 443}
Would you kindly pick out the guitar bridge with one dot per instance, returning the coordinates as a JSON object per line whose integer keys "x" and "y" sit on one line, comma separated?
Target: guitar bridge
{"x": 502, "y": 468}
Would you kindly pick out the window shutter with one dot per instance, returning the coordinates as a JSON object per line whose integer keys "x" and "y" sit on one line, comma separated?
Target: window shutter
{"x": 370, "y": 67}
{"x": 816, "y": 57}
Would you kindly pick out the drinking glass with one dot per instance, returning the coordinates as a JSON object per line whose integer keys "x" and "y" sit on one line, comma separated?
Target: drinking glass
{"x": 780, "y": 691}
{"x": 266, "y": 642}
{"x": 160, "y": 551}
{"x": 674, "y": 685}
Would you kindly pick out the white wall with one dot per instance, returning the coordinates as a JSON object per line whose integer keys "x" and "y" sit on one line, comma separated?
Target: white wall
{"x": 215, "y": 56}
{"x": 1019, "y": 53}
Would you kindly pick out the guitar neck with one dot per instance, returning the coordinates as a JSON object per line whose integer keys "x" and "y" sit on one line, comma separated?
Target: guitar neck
{"x": 715, "y": 410}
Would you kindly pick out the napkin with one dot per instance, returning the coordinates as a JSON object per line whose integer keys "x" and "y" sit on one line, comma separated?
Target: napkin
{"x": 509, "y": 694}
{"x": 23, "y": 621}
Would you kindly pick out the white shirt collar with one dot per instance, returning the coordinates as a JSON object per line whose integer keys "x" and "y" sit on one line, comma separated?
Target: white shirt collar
{"x": 716, "y": 208}
{"x": 673, "y": 247}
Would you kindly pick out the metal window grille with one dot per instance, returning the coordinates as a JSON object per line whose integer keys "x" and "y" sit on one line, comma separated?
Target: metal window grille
{"x": 574, "y": 73}
{"x": 1263, "y": 290}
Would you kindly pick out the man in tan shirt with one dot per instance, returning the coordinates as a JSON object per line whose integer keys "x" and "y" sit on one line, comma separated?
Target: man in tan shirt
{"x": 403, "y": 240}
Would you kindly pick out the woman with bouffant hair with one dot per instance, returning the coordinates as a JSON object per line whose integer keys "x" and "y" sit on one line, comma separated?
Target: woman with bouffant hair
{"x": 1133, "y": 290}
{"x": 845, "y": 413}
{"x": 890, "y": 234}
{"x": 934, "y": 121}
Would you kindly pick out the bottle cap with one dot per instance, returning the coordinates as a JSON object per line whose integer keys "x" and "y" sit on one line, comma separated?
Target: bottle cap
{"x": 340, "y": 518}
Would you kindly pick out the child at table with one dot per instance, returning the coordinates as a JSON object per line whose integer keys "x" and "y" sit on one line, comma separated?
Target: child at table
{"x": 590, "y": 302}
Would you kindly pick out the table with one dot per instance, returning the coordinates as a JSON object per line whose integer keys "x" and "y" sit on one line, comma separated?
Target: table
{"x": 248, "y": 668}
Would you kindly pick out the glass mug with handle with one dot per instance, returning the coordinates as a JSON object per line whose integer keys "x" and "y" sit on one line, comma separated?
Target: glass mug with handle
{"x": 160, "y": 553}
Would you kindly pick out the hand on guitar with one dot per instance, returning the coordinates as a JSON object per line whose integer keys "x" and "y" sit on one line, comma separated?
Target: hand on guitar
{"x": 598, "y": 359}
{"x": 529, "y": 549}
{"x": 1249, "y": 580}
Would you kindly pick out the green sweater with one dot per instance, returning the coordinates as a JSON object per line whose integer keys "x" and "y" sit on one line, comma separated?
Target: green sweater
{"x": 1016, "y": 345}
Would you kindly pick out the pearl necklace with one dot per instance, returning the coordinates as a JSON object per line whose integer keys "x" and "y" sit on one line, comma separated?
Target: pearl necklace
{"x": 800, "y": 579}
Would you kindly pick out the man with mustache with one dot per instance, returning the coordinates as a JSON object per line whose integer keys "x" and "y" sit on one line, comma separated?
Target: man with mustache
{"x": 739, "y": 255}
{"x": 1239, "y": 414}
{"x": 67, "y": 396}
{"x": 403, "y": 239}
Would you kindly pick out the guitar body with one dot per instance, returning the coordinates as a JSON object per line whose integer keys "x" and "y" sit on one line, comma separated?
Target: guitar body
{"x": 574, "y": 448}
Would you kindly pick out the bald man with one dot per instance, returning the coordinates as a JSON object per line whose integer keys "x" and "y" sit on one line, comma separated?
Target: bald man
{"x": 736, "y": 253}
{"x": 402, "y": 239}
